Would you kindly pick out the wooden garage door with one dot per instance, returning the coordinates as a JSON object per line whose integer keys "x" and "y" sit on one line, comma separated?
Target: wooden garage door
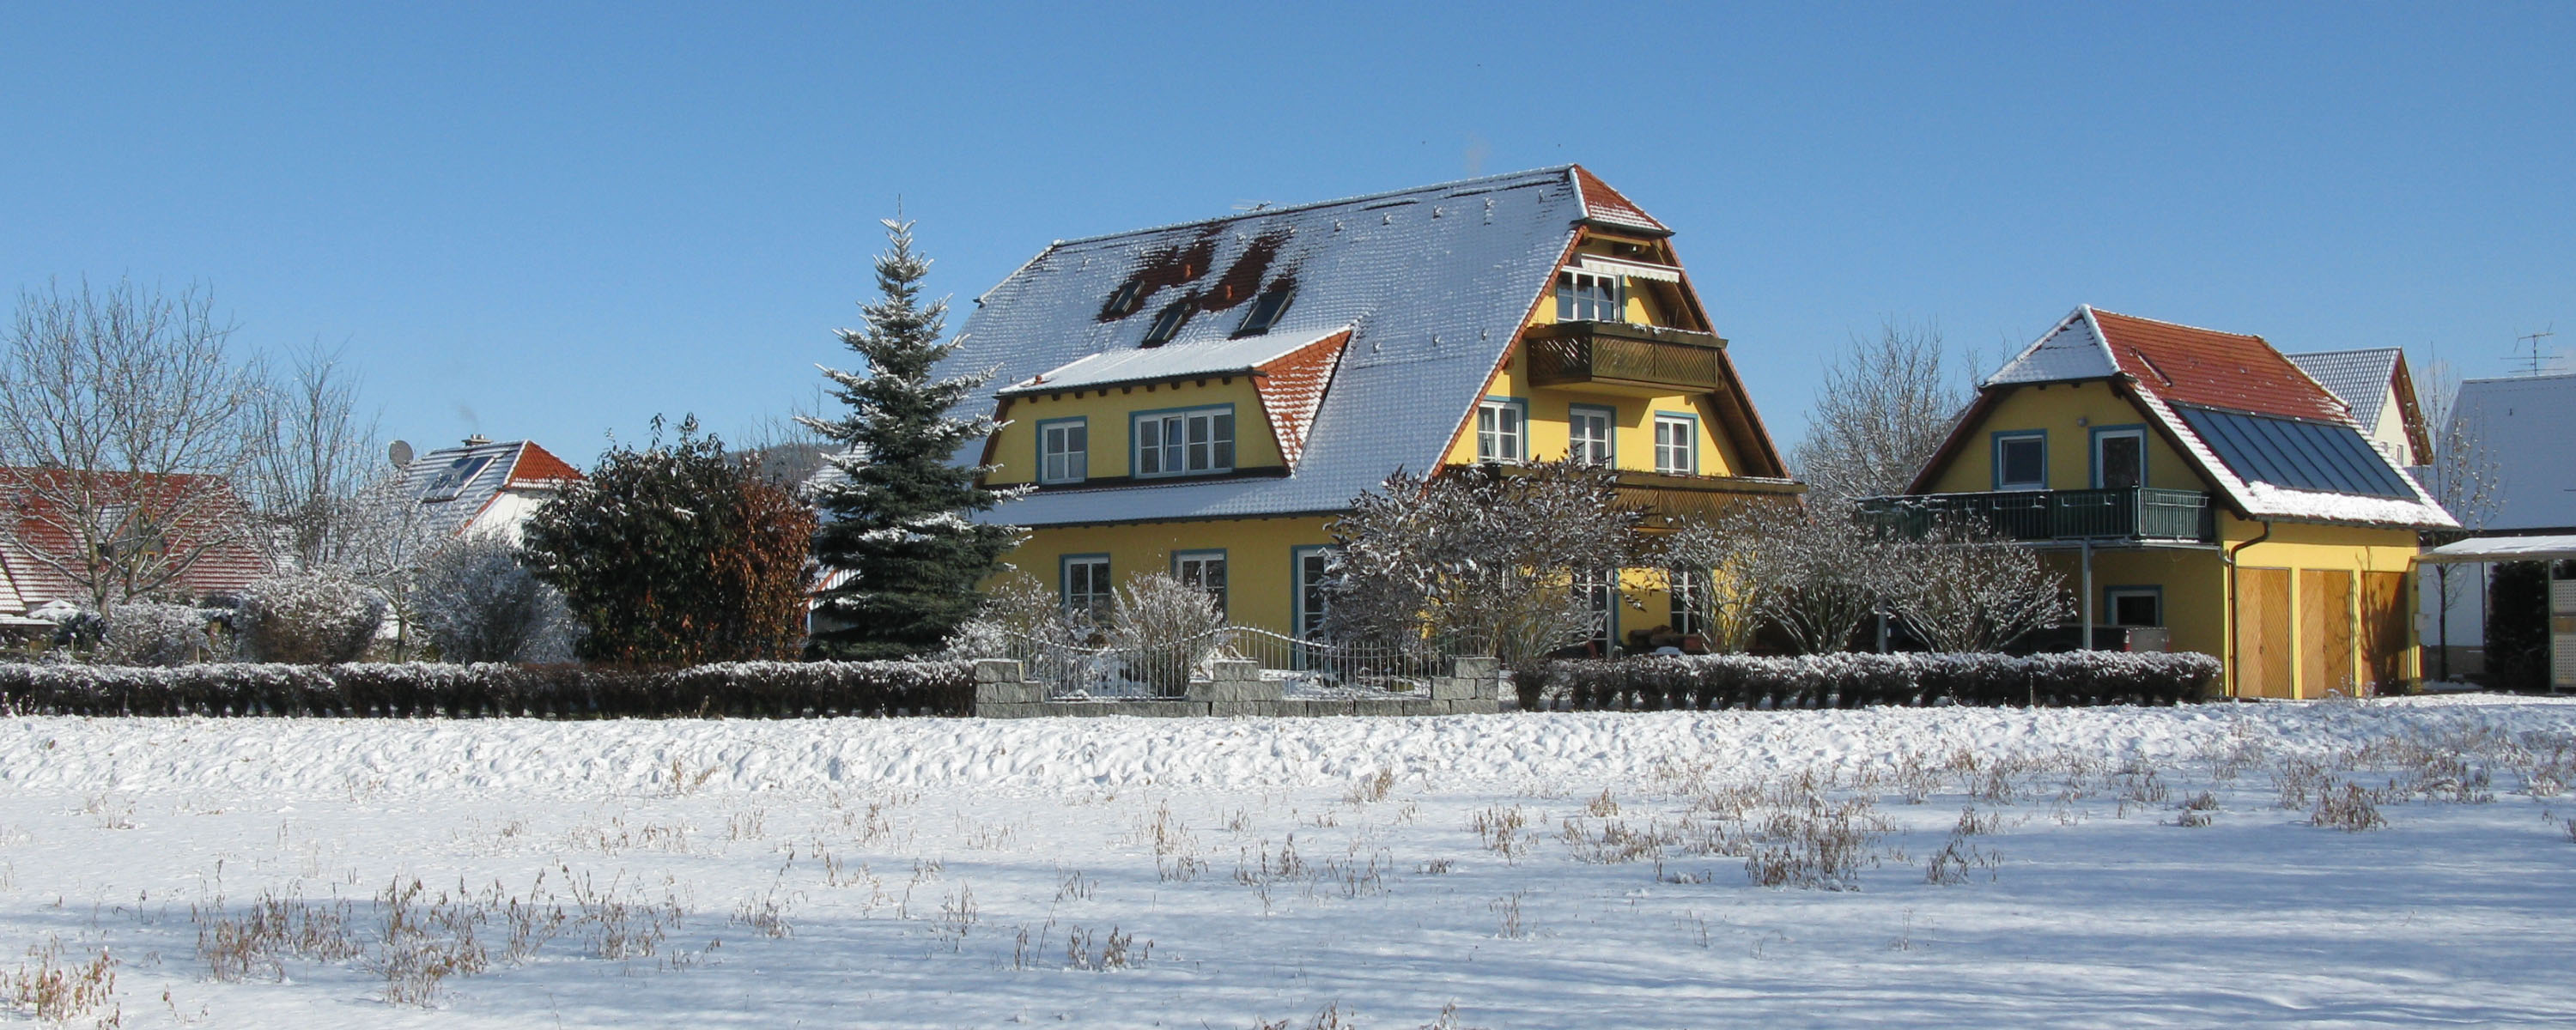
{"x": 2383, "y": 630}
{"x": 2263, "y": 632}
{"x": 2325, "y": 633}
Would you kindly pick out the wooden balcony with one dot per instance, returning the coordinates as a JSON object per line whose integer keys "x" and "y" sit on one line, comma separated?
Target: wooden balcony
{"x": 1621, "y": 358}
{"x": 2135, "y": 514}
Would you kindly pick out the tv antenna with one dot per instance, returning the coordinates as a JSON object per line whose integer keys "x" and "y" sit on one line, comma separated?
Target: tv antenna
{"x": 2532, "y": 360}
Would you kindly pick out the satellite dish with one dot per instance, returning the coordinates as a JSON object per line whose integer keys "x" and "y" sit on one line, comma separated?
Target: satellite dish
{"x": 400, "y": 452}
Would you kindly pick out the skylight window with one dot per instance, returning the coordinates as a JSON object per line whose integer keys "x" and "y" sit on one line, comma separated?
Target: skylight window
{"x": 1124, "y": 302}
{"x": 1168, "y": 323}
{"x": 452, "y": 481}
{"x": 1266, "y": 311}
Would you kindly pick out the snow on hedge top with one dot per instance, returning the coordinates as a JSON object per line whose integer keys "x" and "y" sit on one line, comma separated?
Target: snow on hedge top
{"x": 1433, "y": 284}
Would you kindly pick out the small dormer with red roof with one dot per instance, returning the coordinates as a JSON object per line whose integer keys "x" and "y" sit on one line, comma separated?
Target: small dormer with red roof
{"x": 480, "y": 486}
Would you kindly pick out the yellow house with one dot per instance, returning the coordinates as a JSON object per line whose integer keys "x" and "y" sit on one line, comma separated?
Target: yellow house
{"x": 1202, "y": 399}
{"x": 2197, "y": 483}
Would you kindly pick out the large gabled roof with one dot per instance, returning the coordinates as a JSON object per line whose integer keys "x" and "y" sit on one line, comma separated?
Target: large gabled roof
{"x": 2360, "y": 377}
{"x": 212, "y": 524}
{"x": 1432, "y": 286}
{"x": 483, "y": 471}
{"x": 2274, "y": 441}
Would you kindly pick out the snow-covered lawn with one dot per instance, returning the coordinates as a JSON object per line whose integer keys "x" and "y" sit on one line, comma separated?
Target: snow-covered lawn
{"x": 1590, "y": 870}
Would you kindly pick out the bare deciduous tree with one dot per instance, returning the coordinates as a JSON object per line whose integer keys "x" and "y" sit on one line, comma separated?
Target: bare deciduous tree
{"x": 124, "y": 416}
{"x": 2463, "y": 475}
{"x": 1477, "y": 560}
{"x": 1740, "y": 559}
{"x": 1964, "y": 590}
{"x": 1830, "y": 576}
{"x": 1881, "y": 412}
{"x": 316, "y": 455}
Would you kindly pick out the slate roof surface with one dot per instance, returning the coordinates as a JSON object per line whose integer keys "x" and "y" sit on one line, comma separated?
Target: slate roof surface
{"x": 2277, "y": 470}
{"x": 502, "y": 465}
{"x": 2528, "y": 425}
{"x": 2360, "y": 377}
{"x": 1432, "y": 283}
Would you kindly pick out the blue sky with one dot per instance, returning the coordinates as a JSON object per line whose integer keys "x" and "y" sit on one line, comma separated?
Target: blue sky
{"x": 554, "y": 221}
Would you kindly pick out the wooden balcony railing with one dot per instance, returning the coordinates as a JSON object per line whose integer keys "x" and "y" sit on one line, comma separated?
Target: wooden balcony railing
{"x": 1618, "y": 354}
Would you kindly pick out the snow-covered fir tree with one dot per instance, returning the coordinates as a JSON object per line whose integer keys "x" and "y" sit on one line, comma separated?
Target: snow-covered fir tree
{"x": 896, "y": 515}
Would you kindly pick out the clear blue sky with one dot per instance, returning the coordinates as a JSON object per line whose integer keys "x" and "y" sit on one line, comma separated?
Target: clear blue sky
{"x": 552, "y": 221}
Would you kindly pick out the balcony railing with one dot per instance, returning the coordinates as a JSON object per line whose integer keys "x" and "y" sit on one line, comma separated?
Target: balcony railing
{"x": 1610, "y": 353}
{"x": 2137, "y": 513}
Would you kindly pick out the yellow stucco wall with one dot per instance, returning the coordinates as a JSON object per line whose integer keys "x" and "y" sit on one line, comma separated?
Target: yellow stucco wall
{"x": 1106, "y": 413}
{"x": 2303, "y": 547}
{"x": 2068, "y": 413}
{"x": 1632, "y": 437}
{"x": 1260, "y": 575}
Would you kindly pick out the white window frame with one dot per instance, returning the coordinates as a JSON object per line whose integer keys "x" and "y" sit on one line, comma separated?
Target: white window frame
{"x": 1689, "y": 589}
{"x": 1192, "y": 567}
{"x": 1205, "y": 446}
{"x": 2111, "y": 604}
{"x": 1502, "y": 430}
{"x": 2124, "y": 433}
{"x": 1307, "y": 621}
{"x": 1068, "y": 464}
{"x": 1603, "y": 450}
{"x": 1096, "y": 599}
{"x": 2006, "y": 437}
{"x": 1583, "y": 295}
{"x": 1680, "y": 459}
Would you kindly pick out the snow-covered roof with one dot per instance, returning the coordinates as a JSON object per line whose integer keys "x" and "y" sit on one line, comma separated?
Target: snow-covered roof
{"x": 2547, "y": 547}
{"x": 2528, "y": 425}
{"x": 1172, "y": 361}
{"x": 1432, "y": 284}
{"x": 2360, "y": 377}
{"x": 454, "y": 485}
{"x": 2293, "y": 429}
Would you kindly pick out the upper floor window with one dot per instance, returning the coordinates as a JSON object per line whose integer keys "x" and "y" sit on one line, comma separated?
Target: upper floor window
{"x": 1064, "y": 450}
{"x": 1174, "y": 443}
{"x": 1502, "y": 430}
{"x": 2021, "y": 460}
{"x": 1266, "y": 310}
{"x": 1587, "y": 431}
{"x": 1167, "y": 323}
{"x": 1676, "y": 444}
{"x": 1589, "y": 297}
{"x": 2119, "y": 458}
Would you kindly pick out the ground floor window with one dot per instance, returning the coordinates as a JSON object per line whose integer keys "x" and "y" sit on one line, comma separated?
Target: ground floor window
{"x": 2134, "y": 606}
{"x": 1086, "y": 584}
{"x": 1601, "y": 590}
{"x": 1690, "y": 602}
{"x": 1204, "y": 570}
{"x": 1313, "y": 565}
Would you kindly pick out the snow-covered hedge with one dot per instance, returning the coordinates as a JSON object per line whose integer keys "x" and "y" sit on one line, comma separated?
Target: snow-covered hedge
{"x": 1854, "y": 680}
{"x": 733, "y": 689}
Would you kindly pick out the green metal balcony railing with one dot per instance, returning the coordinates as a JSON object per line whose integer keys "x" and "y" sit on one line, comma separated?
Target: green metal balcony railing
{"x": 2124, "y": 514}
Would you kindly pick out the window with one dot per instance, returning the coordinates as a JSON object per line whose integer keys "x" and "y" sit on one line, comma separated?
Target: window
{"x": 1676, "y": 444}
{"x": 1502, "y": 430}
{"x": 2134, "y": 606}
{"x": 1123, "y": 303}
{"x": 2021, "y": 461}
{"x": 1086, "y": 584}
{"x": 451, "y": 482}
{"x": 1588, "y": 297}
{"x": 1587, "y": 430}
{"x": 1064, "y": 450}
{"x": 1167, "y": 324}
{"x": 1314, "y": 566}
{"x": 1266, "y": 311}
{"x": 2119, "y": 458}
{"x": 1690, "y": 602}
{"x": 1601, "y": 591}
{"x": 1176, "y": 443}
{"x": 1204, "y": 570}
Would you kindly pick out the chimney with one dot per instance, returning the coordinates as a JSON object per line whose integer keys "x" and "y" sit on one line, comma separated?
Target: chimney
{"x": 477, "y": 440}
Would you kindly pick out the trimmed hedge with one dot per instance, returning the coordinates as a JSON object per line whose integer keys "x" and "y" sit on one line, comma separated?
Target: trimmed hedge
{"x": 1857, "y": 680}
{"x": 757, "y": 690}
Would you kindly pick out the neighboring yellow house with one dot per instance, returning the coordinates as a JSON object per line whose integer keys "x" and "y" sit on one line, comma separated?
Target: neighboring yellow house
{"x": 1203, "y": 399}
{"x": 2198, "y": 482}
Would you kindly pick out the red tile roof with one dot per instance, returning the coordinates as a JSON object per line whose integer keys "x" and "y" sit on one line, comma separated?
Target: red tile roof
{"x": 214, "y": 528}
{"x": 536, "y": 464}
{"x": 2186, "y": 365}
{"x": 1606, "y": 204}
{"x": 1292, "y": 387}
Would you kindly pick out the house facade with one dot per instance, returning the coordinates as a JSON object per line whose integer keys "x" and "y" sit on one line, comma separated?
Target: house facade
{"x": 2200, "y": 484}
{"x": 2376, "y": 384}
{"x": 1202, "y": 399}
{"x": 478, "y": 486}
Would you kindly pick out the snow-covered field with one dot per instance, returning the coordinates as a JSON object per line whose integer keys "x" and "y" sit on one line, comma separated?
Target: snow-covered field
{"x": 1959, "y": 867}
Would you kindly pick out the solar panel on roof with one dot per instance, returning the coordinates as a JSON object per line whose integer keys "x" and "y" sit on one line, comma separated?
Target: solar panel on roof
{"x": 2295, "y": 454}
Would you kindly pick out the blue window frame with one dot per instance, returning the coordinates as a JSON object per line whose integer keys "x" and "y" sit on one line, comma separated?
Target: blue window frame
{"x": 1677, "y": 442}
{"x": 1592, "y": 434}
{"x": 2119, "y": 456}
{"x": 1064, "y": 450}
{"x": 2021, "y": 459}
{"x": 1183, "y": 441}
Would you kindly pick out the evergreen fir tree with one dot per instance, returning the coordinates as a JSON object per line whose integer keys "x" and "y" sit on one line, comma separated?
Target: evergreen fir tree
{"x": 896, "y": 516}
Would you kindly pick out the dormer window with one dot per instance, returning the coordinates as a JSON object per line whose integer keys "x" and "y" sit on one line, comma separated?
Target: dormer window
{"x": 1167, "y": 324}
{"x": 1589, "y": 297}
{"x": 1266, "y": 311}
{"x": 1124, "y": 302}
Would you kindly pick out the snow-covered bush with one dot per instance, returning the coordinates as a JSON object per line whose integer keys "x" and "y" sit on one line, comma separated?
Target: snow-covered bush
{"x": 1019, "y": 614}
{"x": 1165, "y": 629}
{"x": 308, "y": 618}
{"x": 738, "y": 689}
{"x": 476, "y": 603}
{"x": 1849, "y": 680}
{"x": 1968, "y": 591}
{"x": 151, "y": 633}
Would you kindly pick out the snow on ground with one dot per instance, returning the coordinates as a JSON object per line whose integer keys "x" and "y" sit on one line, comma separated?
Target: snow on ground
{"x": 1517, "y": 871}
